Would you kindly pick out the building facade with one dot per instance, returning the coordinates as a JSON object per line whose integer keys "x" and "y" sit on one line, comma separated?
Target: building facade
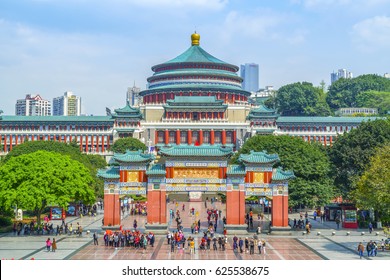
{"x": 341, "y": 73}
{"x": 33, "y": 106}
{"x": 67, "y": 105}
{"x": 194, "y": 99}
{"x": 249, "y": 72}
{"x": 132, "y": 95}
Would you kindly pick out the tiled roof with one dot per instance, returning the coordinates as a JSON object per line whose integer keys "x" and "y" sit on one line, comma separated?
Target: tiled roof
{"x": 258, "y": 157}
{"x": 73, "y": 119}
{"x": 195, "y": 54}
{"x": 281, "y": 175}
{"x": 236, "y": 169}
{"x": 262, "y": 111}
{"x": 297, "y": 120}
{"x": 156, "y": 169}
{"x": 109, "y": 173}
{"x": 134, "y": 156}
{"x": 127, "y": 111}
{"x": 190, "y": 150}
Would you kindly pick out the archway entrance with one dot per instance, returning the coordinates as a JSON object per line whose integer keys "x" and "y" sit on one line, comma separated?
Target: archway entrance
{"x": 197, "y": 172}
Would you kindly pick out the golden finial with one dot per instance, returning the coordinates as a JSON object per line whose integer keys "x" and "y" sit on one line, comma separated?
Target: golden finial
{"x": 195, "y": 39}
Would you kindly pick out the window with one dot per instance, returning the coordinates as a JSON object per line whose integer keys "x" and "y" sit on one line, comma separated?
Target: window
{"x": 160, "y": 137}
{"x": 217, "y": 137}
{"x": 195, "y": 136}
{"x": 172, "y": 137}
{"x": 229, "y": 137}
{"x": 183, "y": 136}
{"x": 206, "y": 137}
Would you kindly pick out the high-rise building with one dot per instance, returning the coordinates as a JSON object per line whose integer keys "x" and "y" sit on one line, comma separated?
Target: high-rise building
{"x": 249, "y": 72}
{"x": 341, "y": 73}
{"x": 67, "y": 105}
{"x": 33, "y": 106}
{"x": 132, "y": 95}
{"x": 386, "y": 75}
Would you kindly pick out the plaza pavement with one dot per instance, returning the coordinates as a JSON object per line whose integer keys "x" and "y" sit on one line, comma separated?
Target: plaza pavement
{"x": 320, "y": 244}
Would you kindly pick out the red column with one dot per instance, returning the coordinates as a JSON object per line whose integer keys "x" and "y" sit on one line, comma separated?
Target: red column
{"x": 156, "y": 206}
{"x": 234, "y": 137}
{"x": 280, "y": 211}
{"x": 189, "y": 137}
{"x": 166, "y": 137}
{"x": 81, "y": 142}
{"x": 112, "y": 210}
{"x": 155, "y": 137}
{"x": 177, "y": 137}
{"x": 86, "y": 143}
{"x": 235, "y": 207}
{"x": 103, "y": 143}
{"x": 212, "y": 137}
{"x": 223, "y": 137}
{"x": 5, "y": 143}
{"x": 201, "y": 137}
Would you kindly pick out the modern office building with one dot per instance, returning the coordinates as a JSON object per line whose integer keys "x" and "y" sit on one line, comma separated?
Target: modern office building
{"x": 33, "y": 106}
{"x": 249, "y": 72}
{"x": 67, "y": 105}
{"x": 132, "y": 95}
{"x": 341, "y": 73}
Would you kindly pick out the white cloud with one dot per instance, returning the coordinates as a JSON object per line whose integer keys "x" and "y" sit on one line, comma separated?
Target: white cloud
{"x": 353, "y": 4}
{"x": 209, "y": 4}
{"x": 372, "y": 34}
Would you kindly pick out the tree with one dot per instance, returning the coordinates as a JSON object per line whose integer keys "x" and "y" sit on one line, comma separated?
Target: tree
{"x": 373, "y": 187}
{"x": 128, "y": 143}
{"x": 374, "y": 99}
{"x": 301, "y": 99}
{"x": 37, "y": 180}
{"x": 309, "y": 162}
{"x": 343, "y": 93}
{"x": 92, "y": 162}
{"x": 352, "y": 151}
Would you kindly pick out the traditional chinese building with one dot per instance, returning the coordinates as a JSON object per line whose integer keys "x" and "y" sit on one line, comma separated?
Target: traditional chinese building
{"x": 196, "y": 170}
{"x": 193, "y": 99}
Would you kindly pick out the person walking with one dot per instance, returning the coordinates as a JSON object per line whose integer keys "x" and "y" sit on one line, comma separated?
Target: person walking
{"x": 173, "y": 241}
{"x": 192, "y": 246}
{"x": 95, "y": 238}
{"x": 360, "y": 249}
{"x": 54, "y": 245}
{"x": 48, "y": 244}
{"x": 251, "y": 246}
{"x": 240, "y": 244}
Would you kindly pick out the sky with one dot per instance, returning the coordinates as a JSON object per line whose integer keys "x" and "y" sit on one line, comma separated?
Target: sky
{"x": 97, "y": 49}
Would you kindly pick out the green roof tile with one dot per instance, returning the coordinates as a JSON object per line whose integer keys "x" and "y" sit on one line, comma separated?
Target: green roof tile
{"x": 236, "y": 169}
{"x": 134, "y": 156}
{"x": 156, "y": 169}
{"x": 326, "y": 120}
{"x": 203, "y": 150}
{"x": 74, "y": 119}
{"x": 109, "y": 173}
{"x": 280, "y": 175}
{"x": 195, "y": 54}
{"x": 258, "y": 157}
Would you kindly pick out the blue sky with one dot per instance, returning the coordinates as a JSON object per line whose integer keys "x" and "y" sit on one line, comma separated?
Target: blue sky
{"x": 99, "y": 48}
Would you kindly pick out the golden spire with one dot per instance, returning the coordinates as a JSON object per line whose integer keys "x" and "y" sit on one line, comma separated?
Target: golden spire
{"x": 195, "y": 39}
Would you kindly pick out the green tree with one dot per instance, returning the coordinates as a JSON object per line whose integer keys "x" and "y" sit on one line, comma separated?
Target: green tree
{"x": 301, "y": 99}
{"x": 92, "y": 162}
{"x": 37, "y": 180}
{"x": 128, "y": 143}
{"x": 374, "y": 99}
{"x": 373, "y": 187}
{"x": 309, "y": 161}
{"x": 344, "y": 92}
{"x": 352, "y": 151}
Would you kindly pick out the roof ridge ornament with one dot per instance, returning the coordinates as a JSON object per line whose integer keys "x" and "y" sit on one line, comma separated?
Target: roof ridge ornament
{"x": 195, "y": 38}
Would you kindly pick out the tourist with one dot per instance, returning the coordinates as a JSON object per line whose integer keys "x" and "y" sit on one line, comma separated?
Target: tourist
{"x": 383, "y": 245}
{"x": 251, "y": 246}
{"x": 240, "y": 244}
{"x": 246, "y": 245}
{"x": 370, "y": 227}
{"x": 263, "y": 245}
{"x": 259, "y": 245}
{"x": 169, "y": 237}
{"x": 360, "y": 249}
{"x": 54, "y": 245}
{"x": 192, "y": 246}
{"x": 48, "y": 244}
{"x": 135, "y": 224}
{"x": 95, "y": 238}
{"x": 337, "y": 220}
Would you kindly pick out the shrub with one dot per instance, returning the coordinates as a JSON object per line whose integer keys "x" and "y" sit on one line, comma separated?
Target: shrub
{"x": 5, "y": 221}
